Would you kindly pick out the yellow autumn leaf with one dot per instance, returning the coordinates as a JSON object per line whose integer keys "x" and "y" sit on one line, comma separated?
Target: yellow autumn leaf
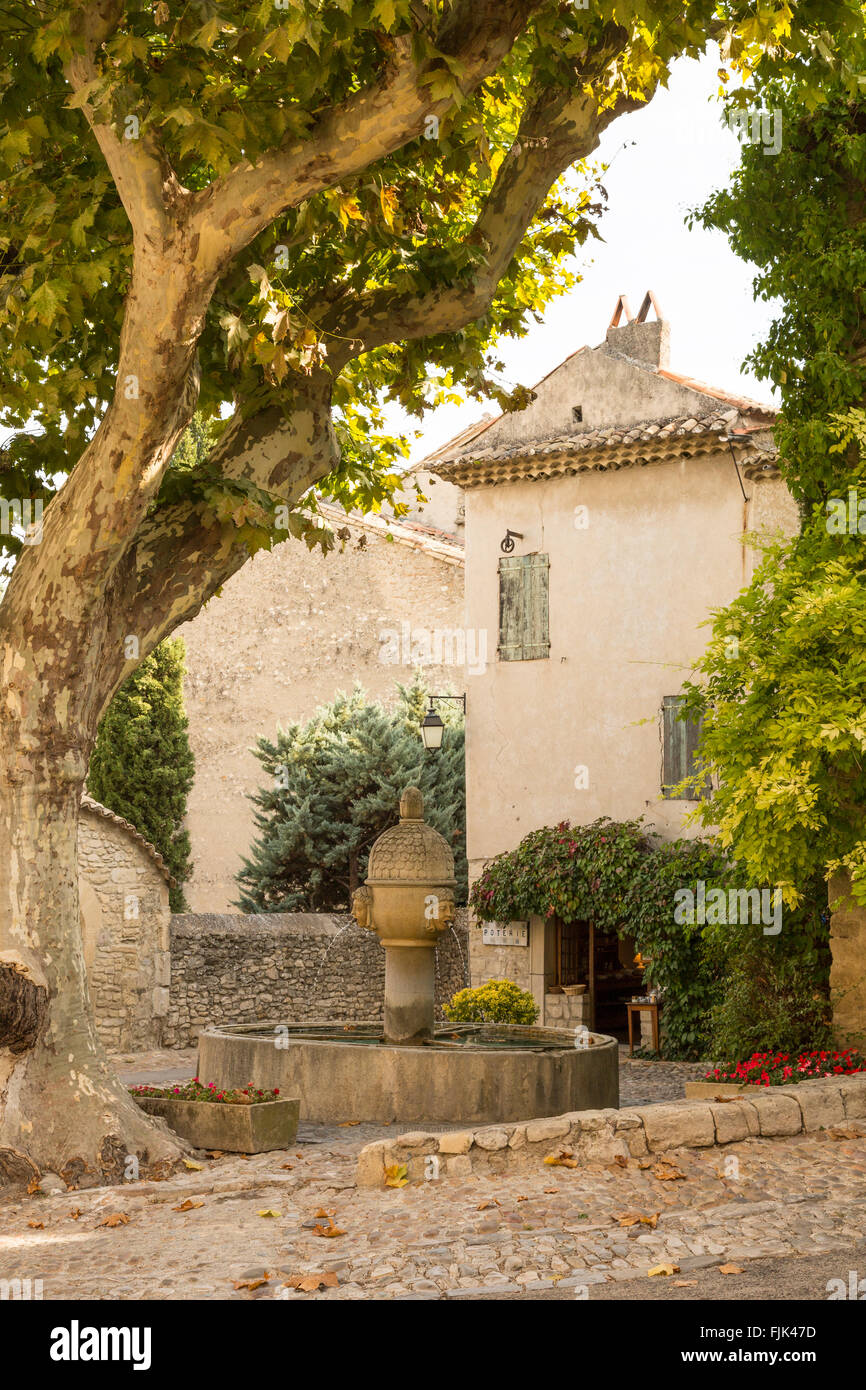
{"x": 397, "y": 1175}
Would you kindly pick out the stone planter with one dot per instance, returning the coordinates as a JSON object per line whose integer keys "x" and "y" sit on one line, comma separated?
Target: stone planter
{"x": 709, "y": 1090}
{"x": 246, "y": 1129}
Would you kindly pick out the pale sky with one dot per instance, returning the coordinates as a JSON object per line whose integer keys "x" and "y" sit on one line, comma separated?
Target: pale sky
{"x": 681, "y": 154}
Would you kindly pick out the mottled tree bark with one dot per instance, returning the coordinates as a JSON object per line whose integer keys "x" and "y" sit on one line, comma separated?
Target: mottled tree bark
{"x": 63, "y": 1106}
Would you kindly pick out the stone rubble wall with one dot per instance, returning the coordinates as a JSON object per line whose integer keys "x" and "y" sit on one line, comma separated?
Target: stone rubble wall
{"x": 291, "y": 967}
{"x": 603, "y": 1136}
{"x": 125, "y": 918}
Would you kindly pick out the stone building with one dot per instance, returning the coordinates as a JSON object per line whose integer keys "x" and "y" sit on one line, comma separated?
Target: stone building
{"x": 125, "y": 921}
{"x": 603, "y": 524}
{"x": 291, "y": 630}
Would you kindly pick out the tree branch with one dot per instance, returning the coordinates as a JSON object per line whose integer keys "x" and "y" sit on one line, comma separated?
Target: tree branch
{"x": 181, "y": 555}
{"x": 139, "y": 168}
{"x": 351, "y": 137}
{"x": 556, "y": 131}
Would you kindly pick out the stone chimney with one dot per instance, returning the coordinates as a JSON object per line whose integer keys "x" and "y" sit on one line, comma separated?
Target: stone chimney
{"x": 637, "y": 339}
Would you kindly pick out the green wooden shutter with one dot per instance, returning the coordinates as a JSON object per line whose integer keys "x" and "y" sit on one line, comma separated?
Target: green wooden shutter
{"x": 680, "y": 745}
{"x": 523, "y": 607}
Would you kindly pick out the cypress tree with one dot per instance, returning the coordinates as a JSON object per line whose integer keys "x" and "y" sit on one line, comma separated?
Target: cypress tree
{"x": 142, "y": 765}
{"x": 334, "y": 784}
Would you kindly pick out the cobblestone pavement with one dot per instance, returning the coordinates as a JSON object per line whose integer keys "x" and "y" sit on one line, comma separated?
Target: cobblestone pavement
{"x": 552, "y": 1229}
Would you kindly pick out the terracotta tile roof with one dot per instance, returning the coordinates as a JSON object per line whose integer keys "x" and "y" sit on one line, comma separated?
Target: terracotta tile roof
{"x": 439, "y": 544}
{"x": 621, "y": 446}
{"x": 742, "y": 403}
{"x": 759, "y": 415}
{"x": 97, "y": 809}
{"x": 450, "y": 445}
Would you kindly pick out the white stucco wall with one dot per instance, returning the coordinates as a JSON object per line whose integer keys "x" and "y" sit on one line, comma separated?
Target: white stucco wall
{"x": 628, "y": 595}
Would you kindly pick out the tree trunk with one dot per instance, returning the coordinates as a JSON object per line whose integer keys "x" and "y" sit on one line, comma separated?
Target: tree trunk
{"x": 62, "y": 1107}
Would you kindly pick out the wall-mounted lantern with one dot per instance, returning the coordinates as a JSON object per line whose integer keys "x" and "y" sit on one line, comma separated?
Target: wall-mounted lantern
{"x": 432, "y": 727}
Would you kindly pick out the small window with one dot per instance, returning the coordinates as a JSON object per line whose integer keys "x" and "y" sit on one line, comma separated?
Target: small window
{"x": 523, "y": 609}
{"x": 679, "y": 750}
{"x": 577, "y": 414}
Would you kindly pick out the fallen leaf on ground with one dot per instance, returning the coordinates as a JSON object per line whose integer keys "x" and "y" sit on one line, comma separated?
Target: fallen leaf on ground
{"x": 836, "y": 1133}
{"x": 214, "y": 1153}
{"x": 252, "y": 1283}
{"x": 36, "y": 1225}
{"x": 290, "y": 1166}
{"x": 620, "y": 1161}
{"x": 310, "y": 1283}
{"x": 348, "y": 1124}
{"x": 645, "y": 1163}
{"x": 117, "y": 1218}
{"x": 193, "y": 1166}
{"x": 730, "y": 1269}
{"x": 664, "y": 1270}
{"x": 685, "y": 1284}
{"x": 637, "y": 1218}
{"x": 551, "y": 1190}
{"x": 33, "y": 1186}
{"x": 564, "y": 1159}
{"x": 667, "y": 1172}
{"x": 269, "y": 1211}
{"x": 74, "y": 1215}
{"x": 396, "y": 1175}
{"x": 188, "y": 1205}
{"x": 523, "y": 1199}
{"x": 328, "y": 1231}
{"x": 485, "y": 1206}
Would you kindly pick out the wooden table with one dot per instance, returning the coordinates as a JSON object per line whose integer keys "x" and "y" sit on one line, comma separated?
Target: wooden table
{"x": 653, "y": 1011}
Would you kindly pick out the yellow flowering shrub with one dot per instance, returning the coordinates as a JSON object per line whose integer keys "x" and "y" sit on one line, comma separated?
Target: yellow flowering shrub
{"x": 499, "y": 1001}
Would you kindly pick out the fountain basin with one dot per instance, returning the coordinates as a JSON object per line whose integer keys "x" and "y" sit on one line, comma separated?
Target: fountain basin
{"x": 467, "y": 1073}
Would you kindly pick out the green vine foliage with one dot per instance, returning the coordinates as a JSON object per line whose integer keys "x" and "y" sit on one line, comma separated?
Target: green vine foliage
{"x": 625, "y": 880}
{"x": 576, "y": 872}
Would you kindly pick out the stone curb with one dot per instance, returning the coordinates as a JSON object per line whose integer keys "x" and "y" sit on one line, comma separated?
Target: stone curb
{"x": 602, "y": 1136}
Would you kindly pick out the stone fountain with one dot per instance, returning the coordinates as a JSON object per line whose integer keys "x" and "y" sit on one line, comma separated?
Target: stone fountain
{"x": 407, "y": 1069}
{"x": 408, "y": 900}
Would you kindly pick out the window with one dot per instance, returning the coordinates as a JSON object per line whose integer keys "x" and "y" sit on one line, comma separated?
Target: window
{"x": 523, "y": 612}
{"x": 679, "y": 748}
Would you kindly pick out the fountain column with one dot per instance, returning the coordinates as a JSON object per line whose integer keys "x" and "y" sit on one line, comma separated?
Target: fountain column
{"x": 409, "y": 993}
